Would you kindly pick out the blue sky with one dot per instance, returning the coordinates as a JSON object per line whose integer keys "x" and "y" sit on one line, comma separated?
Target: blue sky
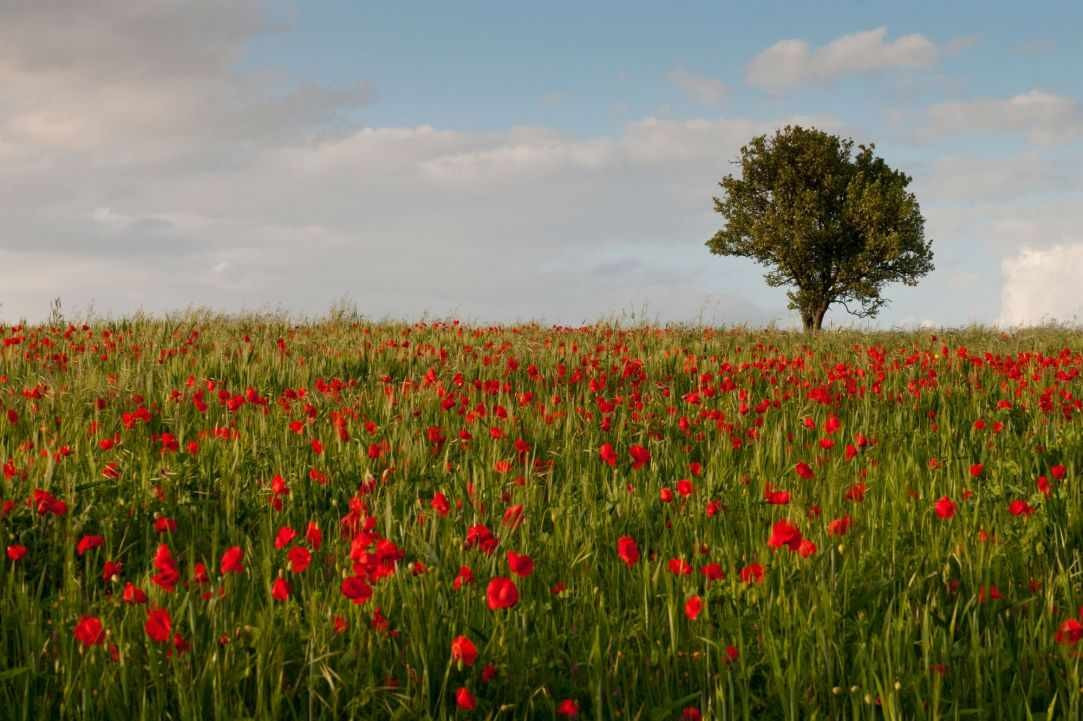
{"x": 505, "y": 162}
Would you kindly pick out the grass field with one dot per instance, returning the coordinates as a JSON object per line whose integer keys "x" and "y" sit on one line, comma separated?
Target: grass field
{"x": 211, "y": 518}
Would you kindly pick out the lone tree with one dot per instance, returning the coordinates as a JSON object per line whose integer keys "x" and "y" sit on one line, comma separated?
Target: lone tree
{"x": 834, "y": 225}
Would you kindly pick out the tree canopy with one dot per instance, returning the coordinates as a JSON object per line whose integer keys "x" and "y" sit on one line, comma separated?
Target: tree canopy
{"x": 834, "y": 225}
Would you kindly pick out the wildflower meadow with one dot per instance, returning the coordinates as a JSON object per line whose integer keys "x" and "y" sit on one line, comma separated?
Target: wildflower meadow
{"x": 247, "y": 518}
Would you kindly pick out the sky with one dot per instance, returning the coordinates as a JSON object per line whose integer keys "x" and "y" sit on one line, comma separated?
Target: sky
{"x": 507, "y": 162}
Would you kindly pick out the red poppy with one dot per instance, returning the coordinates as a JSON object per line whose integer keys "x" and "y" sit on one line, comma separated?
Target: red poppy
{"x": 976, "y": 470}
{"x": 568, "y": 708}
{"x": 87, "y": 543}
{"x": 16, "y": 552}
{"x": 168, "y": 575}
{"x": 679, "y": 567}
{"x": 692, "y": 607}
{"x": 280, "y": 589}
{"x": 356, "y": 589}
{"x": 784, "y": 533}
{"x": 752, "y": 573}
{"x": 465, "y": 700}
{"x": 1019, "y": 507}
{"x": 607, "y": 454}
{"x": 684, "y": 487}
{"x": 111, "y": 570}
{"x": 133, "y": 594}
{"x": 945, "y": 507}
{"x": 627, "y": 550}
{"x": 465, "y": 576}
{"x": 89, "y": 631}
{"x": 284, "y": 536}
{"x": 501, "y": 593}
{"x": 1058, "y": 471}
{"x": 159, "y": 625}
{"x": 464, "y": 651}
{"x": 804, "y": 470}
{"x": 839, "y": 526}
{"x": 1070, "y": 632}
{"x": 299, "y": 558}
{"x": 314, "y": 535}
{"x": 806, "y": 548}
{"x": 640, "y": 456}
{"x": 232, "y": 560}
{"x": 521, "y": 565}
{"x": 713, "y": 572}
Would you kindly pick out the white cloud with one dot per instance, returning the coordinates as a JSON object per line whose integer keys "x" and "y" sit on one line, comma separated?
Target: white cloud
{"x": 1043, "y": 116}
{"x": 790, "y": 63}
{"x": 700, "y": 88}
{"x": 1040, "y": 285}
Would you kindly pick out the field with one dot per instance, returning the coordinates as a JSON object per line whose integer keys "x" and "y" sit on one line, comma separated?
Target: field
{"x": 215, "y": 518}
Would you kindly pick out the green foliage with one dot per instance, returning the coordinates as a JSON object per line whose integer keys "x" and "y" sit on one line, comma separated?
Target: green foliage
{"x": 835, "y": 225}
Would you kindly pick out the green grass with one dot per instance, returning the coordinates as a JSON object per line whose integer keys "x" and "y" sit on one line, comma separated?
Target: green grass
{"x": 891, "y": 621}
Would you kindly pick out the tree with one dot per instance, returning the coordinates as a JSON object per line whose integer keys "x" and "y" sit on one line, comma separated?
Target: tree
{"x": 834, "y": 225}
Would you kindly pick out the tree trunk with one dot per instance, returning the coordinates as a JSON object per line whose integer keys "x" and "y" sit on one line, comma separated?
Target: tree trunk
{"x": 813, "y": 319}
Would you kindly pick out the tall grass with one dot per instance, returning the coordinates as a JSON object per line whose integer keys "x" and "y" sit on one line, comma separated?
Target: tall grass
{"x": 895, "y": 619}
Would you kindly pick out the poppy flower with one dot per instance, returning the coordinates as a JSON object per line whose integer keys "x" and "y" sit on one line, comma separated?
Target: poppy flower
{"x": 691, "y": 713}
{"x": 752, "y": 573}
{"x": 692, "y": 607}
{"x": 607, "y": 454}
{"x": 501, "y": 593}
{"x": 132, "y": 594}
{"x": 465, "y": 700}
{"x": 568, "y": 708}
{"x": 89, "y": 631}
{"x": 945, "y": 507}
{"x": 356, "y": 589}
{"x": 640, "y": 456}
{"x": 232, "y": 560}
{"x": 314, "y": 535}
{"x": 159, "y": 625}
{"x": 168, "y": 575}
{"x": 1020, "y": 507}
{"x": 111, "y": 570}
{"x": 976, "y": 469}
{"x": 684, "y": 487}
{"x": 784, "y": 533}
{"x": 774, "y": 496}
{"x": 679, "y": 567}
{"x": 732, "y": 654}
{"x": 284, "y": 536}
{"x": 521, "y": 565}
{"x": 627, "y": 550}
{"x": 280, "y": 590}
{"x": 839, "y": 526}
{"x": 464, "y": 651}
{"x": 1070, "y": 632}
{"x": 464, "y": 577}
{"x": 804, "y": 470}
{"x": 299, "y": 558}
{"x": 806, "y": 548}
{"x": 87, "y": 543}
{"x": 1058, "y": 471}
{"x": 713, "y": 572}
{"x": 16, "y": 552}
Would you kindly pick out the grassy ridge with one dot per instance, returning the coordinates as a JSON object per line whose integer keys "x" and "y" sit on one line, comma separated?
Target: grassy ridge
{"x": 155, "y": 432}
